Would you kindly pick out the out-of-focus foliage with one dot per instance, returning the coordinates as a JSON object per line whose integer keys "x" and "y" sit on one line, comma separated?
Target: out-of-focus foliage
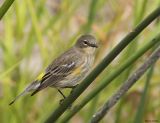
{"x": 33, "y": 33}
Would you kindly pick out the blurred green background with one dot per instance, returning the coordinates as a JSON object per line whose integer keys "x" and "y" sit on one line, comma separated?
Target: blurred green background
{"x": 34, "y": 32}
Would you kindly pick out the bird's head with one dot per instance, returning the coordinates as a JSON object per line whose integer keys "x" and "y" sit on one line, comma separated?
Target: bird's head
{"x": 87, "y": 43}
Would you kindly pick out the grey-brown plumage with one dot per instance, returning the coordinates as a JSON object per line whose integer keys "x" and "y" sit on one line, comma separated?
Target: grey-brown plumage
{"x": 68, "y": 69}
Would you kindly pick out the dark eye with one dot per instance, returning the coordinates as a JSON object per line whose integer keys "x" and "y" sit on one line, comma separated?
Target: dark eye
{"x": 85, "y": 42}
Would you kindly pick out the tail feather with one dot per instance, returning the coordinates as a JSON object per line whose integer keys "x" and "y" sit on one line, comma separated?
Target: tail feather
{"x": 36, "y": 91}
{"x": 32, "y": 87}
{"x": 17, "y": 97}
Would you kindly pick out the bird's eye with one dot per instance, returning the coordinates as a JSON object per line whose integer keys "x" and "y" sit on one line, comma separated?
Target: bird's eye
{"x": 85, "y": 42}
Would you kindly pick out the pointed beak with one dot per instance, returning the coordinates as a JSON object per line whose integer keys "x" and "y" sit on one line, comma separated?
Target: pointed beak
{"x": 94, "y": 45}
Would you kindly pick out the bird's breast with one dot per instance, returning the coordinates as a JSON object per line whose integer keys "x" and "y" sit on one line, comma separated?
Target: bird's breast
{"x": 79, "y": 73}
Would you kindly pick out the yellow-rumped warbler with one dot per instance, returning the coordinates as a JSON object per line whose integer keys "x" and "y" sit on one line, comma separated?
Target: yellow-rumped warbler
{"x": 68, "y": 69}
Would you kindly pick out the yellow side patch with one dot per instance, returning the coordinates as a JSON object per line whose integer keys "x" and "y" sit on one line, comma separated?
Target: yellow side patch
{"x": 40, "y": 76}
{"x": 77, "y": 71}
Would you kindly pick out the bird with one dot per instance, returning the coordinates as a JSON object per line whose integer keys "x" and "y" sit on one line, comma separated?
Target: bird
{"x": 68, "y": 69}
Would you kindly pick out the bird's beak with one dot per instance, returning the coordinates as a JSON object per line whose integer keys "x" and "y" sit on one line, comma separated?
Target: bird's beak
{"x": 94, "y": 45}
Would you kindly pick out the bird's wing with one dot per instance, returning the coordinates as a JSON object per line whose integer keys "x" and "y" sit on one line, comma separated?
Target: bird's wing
{"x": 58, "y": 70}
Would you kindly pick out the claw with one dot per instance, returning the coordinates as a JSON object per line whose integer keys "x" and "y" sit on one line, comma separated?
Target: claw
{"x": 62, "y": 100}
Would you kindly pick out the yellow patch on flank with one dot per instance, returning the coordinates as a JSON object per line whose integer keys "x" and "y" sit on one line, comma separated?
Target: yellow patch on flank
{"x": 40, "y": 76}
{"x": 77, "y": 71}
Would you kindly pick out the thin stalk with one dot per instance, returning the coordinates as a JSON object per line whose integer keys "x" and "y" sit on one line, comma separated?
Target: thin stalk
{"x": 5, "y": 73}
{"x": 139, "y": 12}
{"x": 125, "y": 87}
{"x": 133, "y": 46}
{"x": 103, "y": 64}
{"x": 141, "y": 107}
{"x": 36, "y": 28}
{"x": 143, "y": 9}
{"x": 106, "y": 81}
{"x": 118, "y": 111}
{"x": 92, "y": 108}
{"x": 91, "y": 16}
{"x": 5, "y": 6}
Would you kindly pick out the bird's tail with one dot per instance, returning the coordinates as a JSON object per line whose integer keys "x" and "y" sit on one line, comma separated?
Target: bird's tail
{"x": 33, "y": 86}
{"x": 21, "y": 94}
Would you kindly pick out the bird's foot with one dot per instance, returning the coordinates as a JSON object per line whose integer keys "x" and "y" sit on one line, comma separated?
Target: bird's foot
{"x": 62, "y": 100}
